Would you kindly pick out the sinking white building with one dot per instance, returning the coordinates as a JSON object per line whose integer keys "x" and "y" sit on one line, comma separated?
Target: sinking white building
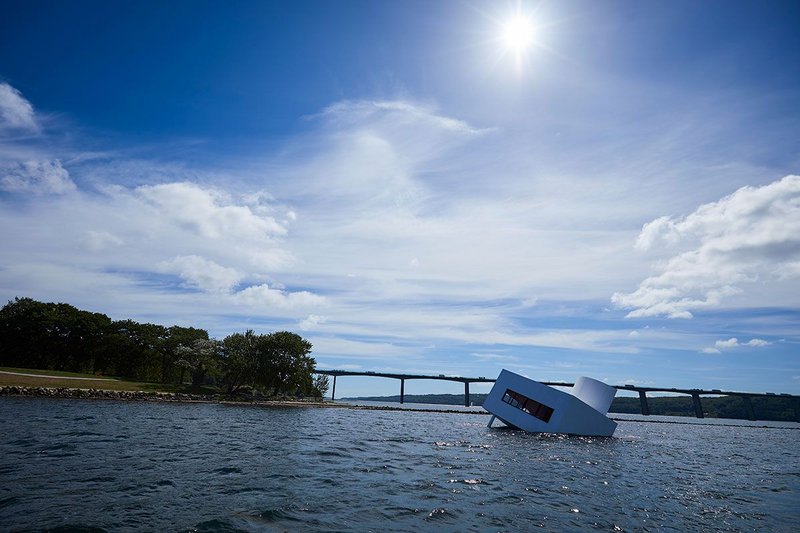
{"x": 532, "y": 406}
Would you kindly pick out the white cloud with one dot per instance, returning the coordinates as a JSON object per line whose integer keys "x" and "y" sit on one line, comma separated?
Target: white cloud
{"x": 265, "y": 298}
{"x": 26, "y": 168}
{"x": 35, "y": 177}
{"x": 730, "y": 343}
{"x": 733, "y": 342}
{"x": 748, "y": 239}
{"x": 311, "y": 322}
{"x": 758, "y": 342}
{"x": 202, "y": 273}
{"x": 345, "y": 211}
{"x": 659, "y": 229}
{"x": 209, "y": 212}
{"x": 15, "y": 111}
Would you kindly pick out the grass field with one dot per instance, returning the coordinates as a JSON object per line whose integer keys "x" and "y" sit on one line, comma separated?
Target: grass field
{"x": 72, "y": 380}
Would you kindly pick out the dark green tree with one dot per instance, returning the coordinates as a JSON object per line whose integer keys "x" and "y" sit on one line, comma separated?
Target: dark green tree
{"x": 284, "y": 364}
{"x": 239, "y": 360}
{"x": 133, "y": 350}
{"x": 53, "y": 336}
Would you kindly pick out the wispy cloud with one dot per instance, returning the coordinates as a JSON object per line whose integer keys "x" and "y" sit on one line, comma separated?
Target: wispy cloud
{"x": 26, "y": 170}
{"x": 387, "y": 232}
{"x": 35, "y": 177}
{"x": 16, "y": 113}
{"x": 495, "y": 357}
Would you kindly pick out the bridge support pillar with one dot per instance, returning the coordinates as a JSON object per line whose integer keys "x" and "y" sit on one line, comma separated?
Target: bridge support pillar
{"x": 333, "y": 392}
{"x": 402, "y": 390}
{"x": 643, "y": 402}
{"x": 466, "y": 394}
{"x": 748, "y": 407}
{"x": 698, "y": 408}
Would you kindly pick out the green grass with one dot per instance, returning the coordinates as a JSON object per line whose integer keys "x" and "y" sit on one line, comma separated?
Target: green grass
{"x": 116, "y": 384}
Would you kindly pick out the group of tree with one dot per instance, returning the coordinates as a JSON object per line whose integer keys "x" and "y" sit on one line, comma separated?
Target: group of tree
{"x": 58, "y": 336}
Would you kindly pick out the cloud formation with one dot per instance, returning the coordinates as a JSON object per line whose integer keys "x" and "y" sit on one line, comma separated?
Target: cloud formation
{"x": 267, "y": 298}
{"x": 723, "y": 248}
{"x": 311, "y": 322}
{"x": 733, "y": 342}
{"x": 388, "y": 231}
{"x": 35, "y": 177}
{"x": 26, "y": 170}
{"x": 209, "y": 212}
{"x": 202, "y": 273}
{"x": 15, "y": 111}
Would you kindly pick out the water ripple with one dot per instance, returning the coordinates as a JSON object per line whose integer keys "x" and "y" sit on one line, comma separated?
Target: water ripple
{"x": 98, "y": 466}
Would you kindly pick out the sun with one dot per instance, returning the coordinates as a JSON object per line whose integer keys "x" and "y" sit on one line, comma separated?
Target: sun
{"x": 518, "y": 34}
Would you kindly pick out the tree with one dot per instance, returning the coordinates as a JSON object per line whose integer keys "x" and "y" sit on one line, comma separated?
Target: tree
{"x": 200, "y": 358}
{"x": 177, "y": 336}
{"x": 61, "y": 337}
{"x": 133, "y": 350}
{"x": 283, "y": 363}
{"x": 239, "y": 360}
{"x": 321, "y": 385}
{"x": 49, "y": 335}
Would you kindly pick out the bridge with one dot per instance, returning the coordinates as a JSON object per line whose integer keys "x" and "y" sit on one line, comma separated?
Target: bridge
{"x": 403, "y": 378}
{"x": 642, "y": 391}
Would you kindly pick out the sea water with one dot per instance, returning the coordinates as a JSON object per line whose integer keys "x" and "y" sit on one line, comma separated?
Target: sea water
{"x": 117, "y": 466}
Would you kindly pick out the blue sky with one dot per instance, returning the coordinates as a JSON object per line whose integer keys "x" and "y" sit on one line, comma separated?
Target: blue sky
{"x": 396, "y": 183}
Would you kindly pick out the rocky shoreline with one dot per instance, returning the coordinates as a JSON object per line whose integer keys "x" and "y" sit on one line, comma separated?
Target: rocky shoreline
{"x": 151, "y": 396}
{"x": 177, "y": 397}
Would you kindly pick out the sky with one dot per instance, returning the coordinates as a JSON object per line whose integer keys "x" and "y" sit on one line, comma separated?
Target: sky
{"x": 612, "y": 191}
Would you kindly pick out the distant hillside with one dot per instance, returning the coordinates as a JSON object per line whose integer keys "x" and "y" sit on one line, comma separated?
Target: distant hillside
{"x": 778, "y": 409}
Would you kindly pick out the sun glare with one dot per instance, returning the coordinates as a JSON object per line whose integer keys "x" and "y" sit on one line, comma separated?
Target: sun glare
{"x": 518, "y": 33}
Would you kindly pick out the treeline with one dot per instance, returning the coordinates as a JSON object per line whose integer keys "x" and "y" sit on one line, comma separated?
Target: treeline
{"x": 777, "y": 408}
{"x": 58, "y": 336}
{"x": 772, "y": 408}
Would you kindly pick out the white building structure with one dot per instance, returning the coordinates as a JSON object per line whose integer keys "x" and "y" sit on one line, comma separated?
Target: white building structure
{"x": 526, "y": 404}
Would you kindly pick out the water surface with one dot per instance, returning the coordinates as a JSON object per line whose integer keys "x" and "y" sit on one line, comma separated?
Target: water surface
{"x": 121, "y": 466}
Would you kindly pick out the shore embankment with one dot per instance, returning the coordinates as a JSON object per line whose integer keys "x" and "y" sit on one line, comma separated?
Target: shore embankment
{"x": 148, "y": 396}
{"x": 177, "y": 397}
